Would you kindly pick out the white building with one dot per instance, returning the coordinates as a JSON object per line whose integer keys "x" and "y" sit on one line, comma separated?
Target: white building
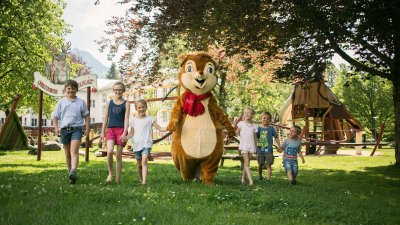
{"x": 158, "y": 110}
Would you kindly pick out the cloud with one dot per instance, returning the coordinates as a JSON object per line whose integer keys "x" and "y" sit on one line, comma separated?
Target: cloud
{"x": 89, "y": 23}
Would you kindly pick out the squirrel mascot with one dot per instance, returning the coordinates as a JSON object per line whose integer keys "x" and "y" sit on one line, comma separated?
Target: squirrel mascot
{"x": 197, "y": 121}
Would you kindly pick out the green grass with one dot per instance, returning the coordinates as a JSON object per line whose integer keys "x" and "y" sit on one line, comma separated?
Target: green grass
{"x": 330, "y": 190}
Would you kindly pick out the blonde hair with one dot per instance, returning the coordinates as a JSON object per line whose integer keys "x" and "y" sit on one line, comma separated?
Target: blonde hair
{"x": 141, "y": 101}
{"x": 251, "y": 109}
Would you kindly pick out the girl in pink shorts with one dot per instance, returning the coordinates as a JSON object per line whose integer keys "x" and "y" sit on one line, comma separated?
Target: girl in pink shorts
{"x": 116, "y": 120}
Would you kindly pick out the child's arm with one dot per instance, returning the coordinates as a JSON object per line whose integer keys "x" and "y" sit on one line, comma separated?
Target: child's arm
{"x": 56, "y": 128}
{"x": 158, "y": 127}
{"x": 278, "y": 143}
{"x": 281, "y": 147}
{"x": 301, "y": 155}
{"x": 105, "y": 123}
{"x": 126, "y": 119}
{"x": 124, "y": 138}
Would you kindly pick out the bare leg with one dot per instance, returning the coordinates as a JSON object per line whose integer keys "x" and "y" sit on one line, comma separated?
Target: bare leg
{"x": 74, "y": 149}
{"x": 68, "y": 156}
{"x": 110, "y": 157}
{"x": 260, "y": 168}
{"x": 144, "y": 169}
{"x": 269, "y": 172}
{"x": 246, "y": 168}
{"x": 289, "y": 175}
{"x": 139, "y": 169}
{"x": 119, "y": 164}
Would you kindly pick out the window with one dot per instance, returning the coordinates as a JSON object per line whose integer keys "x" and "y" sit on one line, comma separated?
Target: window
{"x": 25, "y": 122}
{"x": 44, "y": 122}
{"x": 3, "y": 120}
{"x": 92, "y": 120}
{"x": 34, "y": 122}
{"x": 164, "y": 117}
{"x": 92, "y": 103}
{"x": 51, "y": 123}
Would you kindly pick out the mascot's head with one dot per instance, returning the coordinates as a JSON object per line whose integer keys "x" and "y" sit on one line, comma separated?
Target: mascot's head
{"x": 197, "y": 73}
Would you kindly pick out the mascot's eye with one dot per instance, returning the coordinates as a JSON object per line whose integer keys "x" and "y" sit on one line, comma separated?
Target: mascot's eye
{"x": 210, "y": 70}
{"x": 189, "y": 69}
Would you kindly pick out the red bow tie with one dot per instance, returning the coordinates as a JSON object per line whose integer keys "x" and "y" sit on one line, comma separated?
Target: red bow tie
{"x": 193, "y": 105}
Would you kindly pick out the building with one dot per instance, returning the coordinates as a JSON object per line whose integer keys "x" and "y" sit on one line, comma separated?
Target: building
{"x": 98, "y": 100}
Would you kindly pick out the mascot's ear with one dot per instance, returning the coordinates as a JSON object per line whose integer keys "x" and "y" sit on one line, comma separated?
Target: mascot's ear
{"x": 216, "y": 61}
{"x": 182, "y": 58}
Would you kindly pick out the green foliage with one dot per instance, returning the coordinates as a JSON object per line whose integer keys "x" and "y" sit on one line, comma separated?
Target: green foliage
{"x": 326, "y": 193}
{"x": 28, "y": 30}
{"x": 368, "y": 99}
{"x": 112, "y": 74}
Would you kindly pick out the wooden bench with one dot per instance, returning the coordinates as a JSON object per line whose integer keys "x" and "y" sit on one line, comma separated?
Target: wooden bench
{"x": 235, "y": 155}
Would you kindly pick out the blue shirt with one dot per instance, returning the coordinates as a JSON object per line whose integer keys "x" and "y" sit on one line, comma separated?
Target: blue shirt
{"x": 291, "y": 148}
{"x": 70, "y": 113}
{"x": 265, "y": 137}
{"x": 116, "y": 114}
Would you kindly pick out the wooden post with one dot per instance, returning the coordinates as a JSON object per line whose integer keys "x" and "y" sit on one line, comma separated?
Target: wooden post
{"x": 39, "y": 152}
{"x": 379, "y": 139}
{"x": 358, "y": 141}
{"x": 87, "y": 135}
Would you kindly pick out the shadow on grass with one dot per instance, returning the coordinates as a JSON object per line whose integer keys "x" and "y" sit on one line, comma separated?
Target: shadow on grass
{"x": 320, "y": 196}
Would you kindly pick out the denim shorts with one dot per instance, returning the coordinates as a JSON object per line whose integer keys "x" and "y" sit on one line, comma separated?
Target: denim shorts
{"x": 68, "y": 135}
{"x": 292, "y": 165}
{"x": 144, "y": 151}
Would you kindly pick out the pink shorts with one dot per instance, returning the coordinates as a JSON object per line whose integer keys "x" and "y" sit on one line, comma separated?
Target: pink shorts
{"x": 113, "y": 134}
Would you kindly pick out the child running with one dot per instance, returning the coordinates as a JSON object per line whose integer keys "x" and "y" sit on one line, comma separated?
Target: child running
{"x": 265, "y": 136}
{"x": 246, "y": 131}
{"x": 116, "y": 120}
{"x": 142, "y": 138}
{"x": 291, "y": 147}
{"x": 69, "y": 116}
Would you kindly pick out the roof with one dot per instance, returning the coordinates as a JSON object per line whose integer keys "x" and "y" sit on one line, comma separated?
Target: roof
{"x": 103, "y": 84}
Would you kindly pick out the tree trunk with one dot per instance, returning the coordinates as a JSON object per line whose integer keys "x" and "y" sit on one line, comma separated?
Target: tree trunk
{"x": 222, "y": 92}
{"x": 396, "y": 101}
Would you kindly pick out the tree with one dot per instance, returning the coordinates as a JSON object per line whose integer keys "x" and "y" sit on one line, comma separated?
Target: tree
{"x": 112, "y": 73}
{"x": 307, "y": 32}
{"x": 28, "y": 31}
{"x": 369, "y": 101}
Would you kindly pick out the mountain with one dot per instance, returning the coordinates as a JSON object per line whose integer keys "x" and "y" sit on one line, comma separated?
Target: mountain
{"x": 96, "y": 67}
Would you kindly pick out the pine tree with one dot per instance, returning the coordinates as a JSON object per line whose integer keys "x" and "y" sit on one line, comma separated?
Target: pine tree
{"x": 112, "y": 73}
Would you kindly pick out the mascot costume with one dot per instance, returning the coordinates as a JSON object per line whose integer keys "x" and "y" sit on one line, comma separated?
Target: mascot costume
{"x": 197, "y": 121}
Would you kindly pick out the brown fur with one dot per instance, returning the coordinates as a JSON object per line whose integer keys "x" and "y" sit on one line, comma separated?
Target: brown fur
{"x": 190, "y": 166}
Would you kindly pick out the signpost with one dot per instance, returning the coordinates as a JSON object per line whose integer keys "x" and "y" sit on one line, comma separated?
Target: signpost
{"x": 59, "y": 71}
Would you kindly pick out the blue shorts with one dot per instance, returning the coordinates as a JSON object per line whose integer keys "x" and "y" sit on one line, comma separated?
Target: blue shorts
{"x": 144, "y": 151}
{"x": 292, "y": 165}
{"x": 68, "y": 135}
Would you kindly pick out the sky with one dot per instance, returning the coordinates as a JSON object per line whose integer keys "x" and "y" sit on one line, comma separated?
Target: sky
{"x": 88, "y": 23}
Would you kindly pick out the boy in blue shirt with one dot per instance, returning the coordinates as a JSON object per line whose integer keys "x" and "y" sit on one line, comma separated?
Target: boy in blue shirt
{"x": 292, "y": 147}
{"x": 70, "y": 115}
{"x": 265, "y": 136}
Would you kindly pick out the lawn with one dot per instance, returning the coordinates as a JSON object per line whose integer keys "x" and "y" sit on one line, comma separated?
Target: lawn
{"x": 330, "y": 190}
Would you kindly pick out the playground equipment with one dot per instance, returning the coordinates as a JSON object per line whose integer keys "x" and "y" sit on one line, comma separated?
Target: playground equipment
{"x": 327, "y": 122}
{"x": 12, "y": 135}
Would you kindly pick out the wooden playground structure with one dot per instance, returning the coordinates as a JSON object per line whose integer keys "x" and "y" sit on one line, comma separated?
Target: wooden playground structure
{"x": 327, "y": 124}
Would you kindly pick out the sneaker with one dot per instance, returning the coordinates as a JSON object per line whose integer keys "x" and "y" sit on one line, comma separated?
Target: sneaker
{"x": 293, "y": 182}
{"x": 72, "y": 177}
{"x": 268, "y": 181}
{"x": 109, "y": 179}
{"x": 259, "y": 179}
